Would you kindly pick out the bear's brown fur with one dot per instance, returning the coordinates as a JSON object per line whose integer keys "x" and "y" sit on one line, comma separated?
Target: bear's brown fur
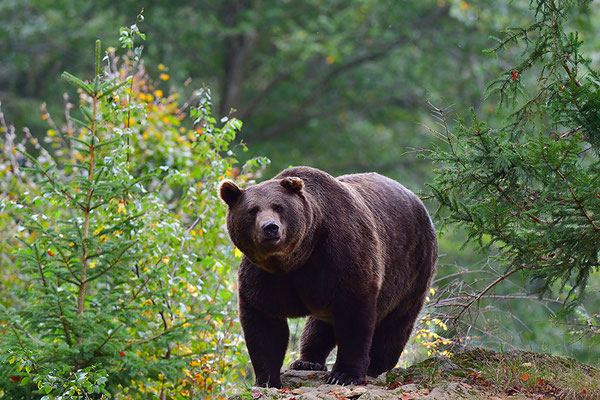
{"x": 355, "y": 253}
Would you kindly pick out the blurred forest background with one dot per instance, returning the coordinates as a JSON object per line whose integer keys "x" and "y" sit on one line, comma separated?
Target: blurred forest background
{"x": 344, "y": 86}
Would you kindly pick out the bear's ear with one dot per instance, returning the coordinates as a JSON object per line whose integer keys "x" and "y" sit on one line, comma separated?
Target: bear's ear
{"x": 229, "y": 192}
{"x": 292, "y": 183}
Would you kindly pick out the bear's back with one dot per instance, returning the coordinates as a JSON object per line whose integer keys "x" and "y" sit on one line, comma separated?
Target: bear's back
{"x": 406, "y": 233}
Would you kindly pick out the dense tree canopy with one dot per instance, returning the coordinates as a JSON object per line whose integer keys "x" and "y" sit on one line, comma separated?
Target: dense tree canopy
{"x": 313, "y": 81}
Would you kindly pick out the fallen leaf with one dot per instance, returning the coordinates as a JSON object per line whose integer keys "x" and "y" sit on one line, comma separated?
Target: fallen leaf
{"x": 475, "y": 375}
{"x": 407, "y": 396}
{"x": 256, "y": 395}
{"x": 524, "y": 376}
{"x": 527, "y": 364}
{"x": 298, "y": 391}
{"x": 466, "y": 385}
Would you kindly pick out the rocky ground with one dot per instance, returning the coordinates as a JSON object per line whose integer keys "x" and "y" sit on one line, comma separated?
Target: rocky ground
{"x": 471, "y": 374}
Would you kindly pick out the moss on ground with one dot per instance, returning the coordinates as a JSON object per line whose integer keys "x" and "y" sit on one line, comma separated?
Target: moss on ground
{"x": 509, "y": 372}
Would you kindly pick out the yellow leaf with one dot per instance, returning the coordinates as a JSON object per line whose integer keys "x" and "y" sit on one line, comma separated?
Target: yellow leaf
{"x": 92, "y": 264}
{"x": 237, "y": 253}
{"x": 524, "y": 376}
{"x": 166, "y": 260}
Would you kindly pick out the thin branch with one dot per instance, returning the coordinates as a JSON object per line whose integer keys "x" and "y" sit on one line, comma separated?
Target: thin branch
{"x": 484, "y": 291}
{"x": 577, "y": 201}
{"x": 448, "y": 301}
{"x": 157, "y": 336}
{"x": 63, "y": 320}
{"x": 111, "y": 266}
{"x": 571, "y": 75}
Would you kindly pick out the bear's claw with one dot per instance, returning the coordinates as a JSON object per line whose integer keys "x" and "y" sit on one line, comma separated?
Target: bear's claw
{"x": 307, "y": 366}
{"x": 342, "y": 378}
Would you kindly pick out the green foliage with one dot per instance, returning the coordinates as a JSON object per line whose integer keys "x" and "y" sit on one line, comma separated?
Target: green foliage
{"x": 347, "y": 75}
{"x": 529, "y": 187}
{"x": 123, "y": 254}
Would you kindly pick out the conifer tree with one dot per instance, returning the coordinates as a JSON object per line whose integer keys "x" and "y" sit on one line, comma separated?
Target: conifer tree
{"x": 531, "y": 187}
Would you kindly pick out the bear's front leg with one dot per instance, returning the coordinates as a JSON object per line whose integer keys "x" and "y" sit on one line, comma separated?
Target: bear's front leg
{"x": 354, "y": 325}
{"x": 266, "y": 338}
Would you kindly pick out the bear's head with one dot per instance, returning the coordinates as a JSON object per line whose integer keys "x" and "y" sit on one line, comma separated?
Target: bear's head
{"x": 268, "y": 221}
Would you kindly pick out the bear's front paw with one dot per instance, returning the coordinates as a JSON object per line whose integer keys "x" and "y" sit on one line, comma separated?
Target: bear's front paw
{"x": 307, "y": 366}
{"x": 342, "y": 378}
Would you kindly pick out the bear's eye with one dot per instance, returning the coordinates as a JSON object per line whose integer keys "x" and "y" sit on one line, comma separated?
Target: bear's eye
{"x": 253, "y": 211}
{"x": 277, "y": 208}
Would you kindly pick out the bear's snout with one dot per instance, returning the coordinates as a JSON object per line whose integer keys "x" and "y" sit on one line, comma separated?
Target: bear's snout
{"x": 269, "y": 232}
{"x": 271, "y": 229}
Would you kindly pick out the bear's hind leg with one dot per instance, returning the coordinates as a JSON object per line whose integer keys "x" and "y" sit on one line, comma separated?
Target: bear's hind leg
{"x": 389, "y": 340}
{"x": 316, "y": 342}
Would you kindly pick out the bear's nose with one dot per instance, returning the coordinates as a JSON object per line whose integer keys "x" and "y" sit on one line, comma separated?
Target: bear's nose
{"x": 270, "y": 228}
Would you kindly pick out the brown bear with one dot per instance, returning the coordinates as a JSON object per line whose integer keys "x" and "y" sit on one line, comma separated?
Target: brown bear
{"x": 355, "y": 253}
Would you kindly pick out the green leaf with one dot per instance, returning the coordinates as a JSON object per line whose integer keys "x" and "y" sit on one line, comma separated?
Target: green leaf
{"x": 80, "y": 123}
{"x": 78, "y": 140}
{"x": 77, "y": 82}
{"x": 87, "y": 112}
{"x": 111, "y": 89}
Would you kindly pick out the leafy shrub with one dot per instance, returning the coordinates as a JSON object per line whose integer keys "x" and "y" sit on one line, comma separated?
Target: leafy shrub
{"x": 122, "y": 249}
